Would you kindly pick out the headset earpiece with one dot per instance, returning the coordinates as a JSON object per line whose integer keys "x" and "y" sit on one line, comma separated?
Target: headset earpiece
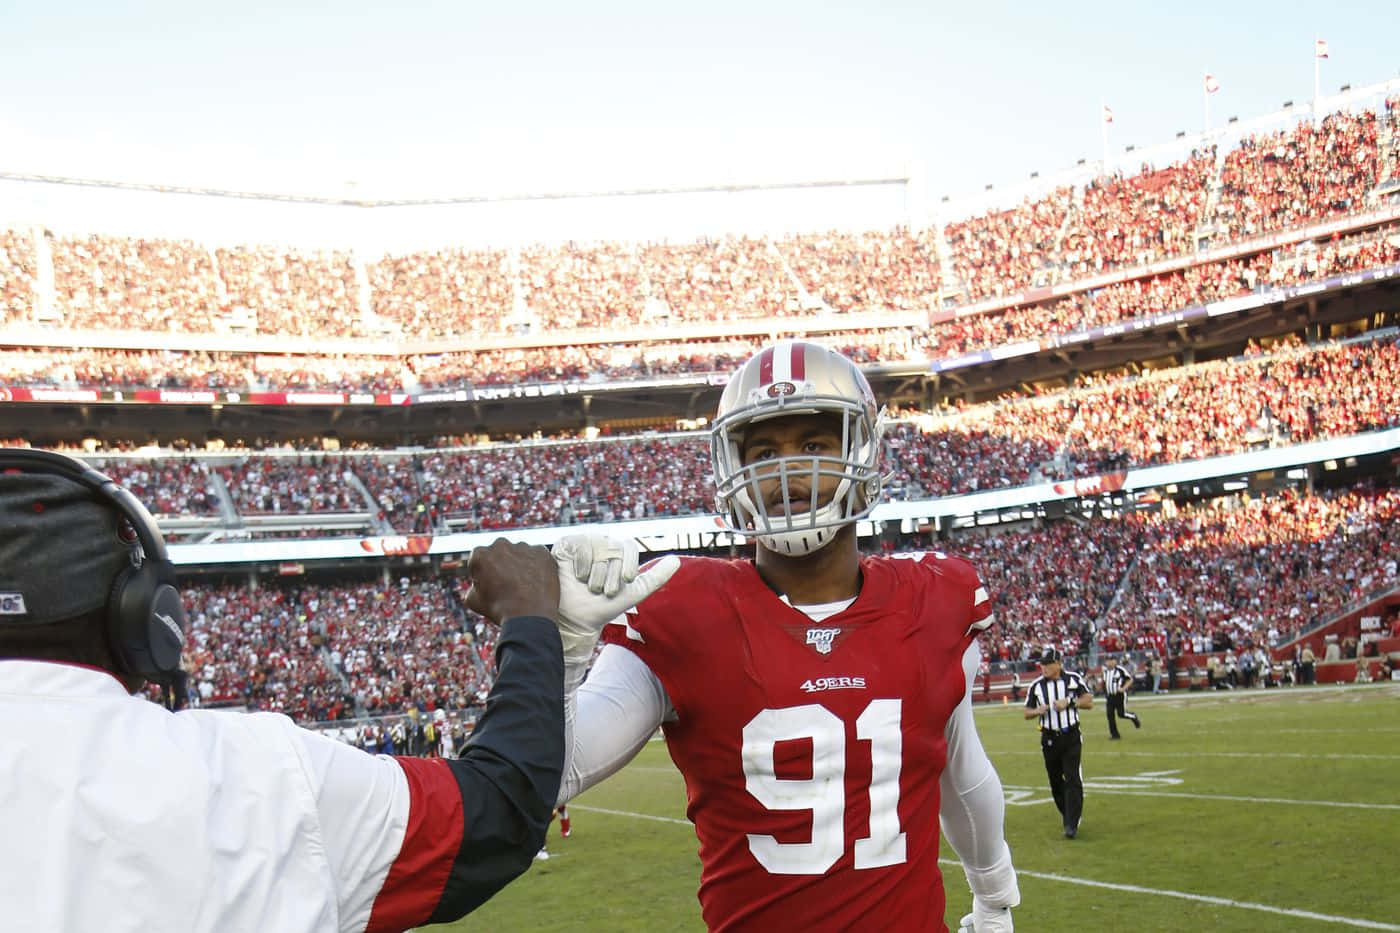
{"x": 145, "y": 623}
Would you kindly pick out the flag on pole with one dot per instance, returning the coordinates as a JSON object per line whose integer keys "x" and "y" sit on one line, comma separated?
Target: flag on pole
{"x": 1107, "y": 114}
{"x": 1212, "y": 85}
{"x": 1320, "y": 48}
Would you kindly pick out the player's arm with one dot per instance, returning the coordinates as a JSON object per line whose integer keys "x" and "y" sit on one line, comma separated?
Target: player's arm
{"x": 619, "y": 706}
{"x": 972, "y": 813}
{"x": 606, "y": 725}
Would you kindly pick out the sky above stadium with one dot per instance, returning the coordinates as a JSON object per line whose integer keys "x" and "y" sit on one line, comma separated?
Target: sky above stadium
{"x": 413, "y": 98}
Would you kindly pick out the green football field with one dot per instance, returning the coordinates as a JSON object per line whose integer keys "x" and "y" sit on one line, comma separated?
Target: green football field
{"x": 1244, "y": 810}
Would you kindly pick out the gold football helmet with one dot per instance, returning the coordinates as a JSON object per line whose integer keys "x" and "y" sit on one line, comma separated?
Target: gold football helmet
{"x": 797, "y": 378}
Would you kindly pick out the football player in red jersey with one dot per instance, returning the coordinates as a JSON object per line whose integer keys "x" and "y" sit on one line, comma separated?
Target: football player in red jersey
{"x": 817, "y": 704}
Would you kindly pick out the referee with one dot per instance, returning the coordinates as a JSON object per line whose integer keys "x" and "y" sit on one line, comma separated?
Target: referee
{"x": 1116, "y": 684}
{"x": 1055, "y": 698}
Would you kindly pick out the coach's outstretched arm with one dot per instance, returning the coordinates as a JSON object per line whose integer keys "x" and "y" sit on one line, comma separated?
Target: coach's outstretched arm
{"x": 509, "y": 773}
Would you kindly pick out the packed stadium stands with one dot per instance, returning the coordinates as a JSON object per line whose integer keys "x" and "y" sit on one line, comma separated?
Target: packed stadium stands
{"x": 1289, "y": 394}
{"x": 1126, "y": 300}
{"x": 1251, "y": 570}
{"x": 1285, "y": 179}
{"x": 1233, "y": 570}
{"x": 1237, "y": 571}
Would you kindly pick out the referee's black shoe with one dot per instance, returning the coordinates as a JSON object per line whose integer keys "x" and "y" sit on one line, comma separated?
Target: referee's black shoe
{"x": 1137, "y": 722}
{"x": 1071, "y": 832}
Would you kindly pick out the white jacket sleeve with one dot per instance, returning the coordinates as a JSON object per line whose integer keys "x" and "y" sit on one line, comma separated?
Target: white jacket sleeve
{"x": 616, "y": 711}
{"x": 972, "y": 811}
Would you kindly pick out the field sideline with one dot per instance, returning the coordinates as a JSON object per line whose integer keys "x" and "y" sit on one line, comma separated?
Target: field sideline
{"x": 1242, "y": 810}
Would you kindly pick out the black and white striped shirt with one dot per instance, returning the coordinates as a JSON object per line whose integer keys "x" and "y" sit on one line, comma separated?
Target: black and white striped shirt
{"x": 1046, "y": 690}
{"x": 1116, "y": 680}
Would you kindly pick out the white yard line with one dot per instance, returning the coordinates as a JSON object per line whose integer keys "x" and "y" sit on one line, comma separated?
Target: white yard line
{"x": 1273, "y": 731}
{"x": 1240, "y": 695}
{"x": 640, "y": 816}
{"x": 1201, "y": 899}
{"x": 1089, "y": 783}
{"x": 1086, "y": 882}
{"x": 1239, "y": 799}
{"x": 1176, "y": 753}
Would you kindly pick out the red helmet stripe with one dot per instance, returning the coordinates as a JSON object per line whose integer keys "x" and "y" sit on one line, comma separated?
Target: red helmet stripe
{"x": 799, "y": 362}
{"x": 765, "y": 367}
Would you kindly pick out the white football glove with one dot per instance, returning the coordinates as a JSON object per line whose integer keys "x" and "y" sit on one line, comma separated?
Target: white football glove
{"x": 995, "y": 884}
{"x": 984, "y": 919}
{"x": 598, "y": 581}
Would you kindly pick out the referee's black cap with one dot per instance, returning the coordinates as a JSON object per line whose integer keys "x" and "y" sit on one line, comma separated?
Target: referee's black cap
{"x": 1050, "y": 654}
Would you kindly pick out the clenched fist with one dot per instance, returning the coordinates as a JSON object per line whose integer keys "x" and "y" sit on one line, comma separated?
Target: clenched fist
{"x": 511, "y": 579}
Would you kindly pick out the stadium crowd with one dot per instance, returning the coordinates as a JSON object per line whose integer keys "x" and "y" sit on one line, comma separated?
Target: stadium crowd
{"x": 18, "y": 269}
{"x": 194, "y": 369}
{"x": 1243, "y": 572}
{"x": 1050, "y": 584}
{"x": 307, "y": 483}
{"x": 1232, "y": 573}
{"x": 262, "y": 648}
{"x": 1282, "y": 179}
{"x": 1296, "y": 393}
{"x": 553, "y": 484}
{"x": 402, "y": 644}
{"x": 1137, "y": 298}
{"x": 1136, "y": 220}
{"x": 1290, "y": 393}
{"x": 852, "y": 272}
{"x": 166, "y": 487}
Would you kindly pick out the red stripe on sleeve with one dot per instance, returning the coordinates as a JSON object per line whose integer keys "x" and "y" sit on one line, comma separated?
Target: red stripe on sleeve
{"x": 798, "y": 362}
{"x": 430, "y": 842}
{"x": 765, "y": 367}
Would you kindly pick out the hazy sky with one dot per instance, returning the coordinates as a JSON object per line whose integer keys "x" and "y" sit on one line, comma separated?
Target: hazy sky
{"x": 470, "y": 97}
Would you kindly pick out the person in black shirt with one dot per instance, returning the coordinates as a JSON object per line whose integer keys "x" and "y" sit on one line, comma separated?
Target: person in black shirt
{"x": 1055, "y": 698}
{"x": 1116, "y": 684}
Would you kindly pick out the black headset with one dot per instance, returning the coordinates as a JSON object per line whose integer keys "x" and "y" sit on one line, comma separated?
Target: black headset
{"x": 145, "y": 616}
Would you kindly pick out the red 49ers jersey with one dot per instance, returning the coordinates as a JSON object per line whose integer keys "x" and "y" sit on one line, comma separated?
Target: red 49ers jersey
{"x": 811, "y": 751}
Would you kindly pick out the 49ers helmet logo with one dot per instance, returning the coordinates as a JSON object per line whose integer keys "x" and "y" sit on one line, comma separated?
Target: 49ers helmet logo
{"x": 779, "y": 389}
